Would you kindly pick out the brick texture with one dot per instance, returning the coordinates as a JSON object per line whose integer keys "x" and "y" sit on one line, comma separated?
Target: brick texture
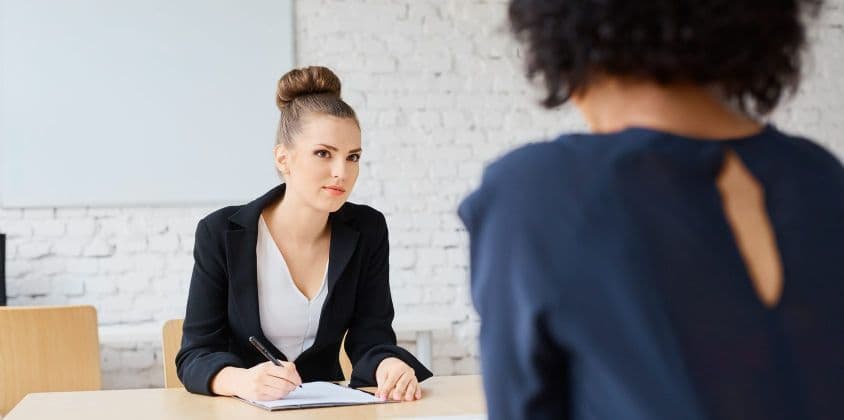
{"x": 439, "y": 89}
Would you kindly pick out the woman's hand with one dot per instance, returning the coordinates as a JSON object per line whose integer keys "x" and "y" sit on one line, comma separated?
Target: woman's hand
{"x": 396, "y": 381}
{"x": 262, "y": 382}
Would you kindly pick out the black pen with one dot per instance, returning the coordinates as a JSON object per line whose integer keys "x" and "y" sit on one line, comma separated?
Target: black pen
{"x": 257, "y": 344}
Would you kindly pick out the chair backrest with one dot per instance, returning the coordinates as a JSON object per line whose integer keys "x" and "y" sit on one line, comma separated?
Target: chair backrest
{"x": 171, "y": 342}
{"x": 345, "y": 363}
{"x": 45, "y": 349}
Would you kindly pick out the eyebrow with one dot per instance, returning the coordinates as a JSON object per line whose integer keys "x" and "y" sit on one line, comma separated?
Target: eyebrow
{"x": 334, "y": 149}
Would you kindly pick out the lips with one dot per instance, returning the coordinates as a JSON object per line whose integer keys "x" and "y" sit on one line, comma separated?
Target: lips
{"x": 334, "y": 190}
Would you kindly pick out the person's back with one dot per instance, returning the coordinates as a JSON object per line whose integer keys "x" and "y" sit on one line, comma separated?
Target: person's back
{"x": 683, "y": 264}
{"x": 611, "y": 285}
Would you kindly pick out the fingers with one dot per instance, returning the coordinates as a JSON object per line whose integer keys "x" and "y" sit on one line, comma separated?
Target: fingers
{"x": 269, "y": 393}
{"x": 401, "y": 386}
{"x": 267, "y": 381}
{"x": 277, "y": 383}
{"x": 291, "y": 372}
{"x": 412, "y": 388}
{"x": 384, "y": 388}
{"x": 264, "y": 387}
{"x": 287, "y": 371}
{"x": 380, "y": 374}
{"x": 275, "y": 386}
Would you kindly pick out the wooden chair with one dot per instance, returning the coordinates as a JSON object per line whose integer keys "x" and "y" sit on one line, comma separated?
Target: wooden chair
{"x": 170, "y": 344}
{"x": 345, "y": 362}
{"x": 45, "y": 349}
{"x": 172, "y": 341}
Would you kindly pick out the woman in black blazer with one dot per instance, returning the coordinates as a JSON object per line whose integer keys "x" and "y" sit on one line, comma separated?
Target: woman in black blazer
{"x": 312, "y": 226}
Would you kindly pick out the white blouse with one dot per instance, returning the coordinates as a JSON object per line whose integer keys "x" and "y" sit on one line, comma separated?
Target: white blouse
{"x": 289, "y": 320}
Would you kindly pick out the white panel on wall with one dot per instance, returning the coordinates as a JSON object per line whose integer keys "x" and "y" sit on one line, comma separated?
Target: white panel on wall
{"x": 139, "y": 102}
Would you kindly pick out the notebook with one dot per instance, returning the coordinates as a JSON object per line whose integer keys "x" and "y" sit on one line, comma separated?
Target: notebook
{"x": 318, "y": 394}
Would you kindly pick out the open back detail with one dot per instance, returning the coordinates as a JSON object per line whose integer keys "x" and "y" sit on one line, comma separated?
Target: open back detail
{"x": 743, "y": 199}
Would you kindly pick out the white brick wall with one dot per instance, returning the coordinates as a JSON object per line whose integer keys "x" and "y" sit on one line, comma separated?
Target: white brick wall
{"x": 439, "y": 91}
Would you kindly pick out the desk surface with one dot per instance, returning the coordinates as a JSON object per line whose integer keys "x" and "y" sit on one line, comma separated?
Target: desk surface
{"x": 442, "y": 396}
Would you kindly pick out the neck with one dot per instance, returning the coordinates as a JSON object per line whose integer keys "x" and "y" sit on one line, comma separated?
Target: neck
{"x": 299, "y": 222}
{"x": 613, "y": 104}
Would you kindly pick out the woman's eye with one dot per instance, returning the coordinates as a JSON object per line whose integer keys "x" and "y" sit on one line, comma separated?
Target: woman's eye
{"x": 354, "y": 158}
{"x": 322, "y": 153}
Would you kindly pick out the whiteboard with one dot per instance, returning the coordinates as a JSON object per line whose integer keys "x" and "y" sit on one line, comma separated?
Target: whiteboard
{"x": 140, "y": 102}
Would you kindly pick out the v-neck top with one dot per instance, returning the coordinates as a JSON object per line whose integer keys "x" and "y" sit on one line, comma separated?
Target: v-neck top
{"x": 288, "y": 318}
{"x": 609, "y": 283}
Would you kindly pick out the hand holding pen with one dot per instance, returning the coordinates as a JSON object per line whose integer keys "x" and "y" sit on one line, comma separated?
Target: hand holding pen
{"x": 271, "y": 380}
{"x": 267, "y": 381}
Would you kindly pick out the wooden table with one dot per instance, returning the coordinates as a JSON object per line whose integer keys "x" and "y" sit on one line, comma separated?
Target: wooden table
{"x": 442, "y": 396}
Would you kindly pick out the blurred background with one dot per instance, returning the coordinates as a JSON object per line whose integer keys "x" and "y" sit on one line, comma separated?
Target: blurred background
{"x": 102, "y": 192}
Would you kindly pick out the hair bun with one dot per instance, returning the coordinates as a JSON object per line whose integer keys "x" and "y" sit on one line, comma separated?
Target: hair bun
{"x": 306, "y": 81}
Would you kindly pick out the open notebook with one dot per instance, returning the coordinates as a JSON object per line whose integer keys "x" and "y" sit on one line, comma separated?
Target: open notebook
{"x": 318, "y": 394}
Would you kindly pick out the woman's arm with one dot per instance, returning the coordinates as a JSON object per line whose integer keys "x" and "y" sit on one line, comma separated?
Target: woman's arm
{"x": 515, "y": 289}
{"x": 206, "y": 335}
{"x": 371, "y": 338}
{"x": 204, "y": 363}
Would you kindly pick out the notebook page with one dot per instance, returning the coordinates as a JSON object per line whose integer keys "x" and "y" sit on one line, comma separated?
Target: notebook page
{"x": 319, "y": 393}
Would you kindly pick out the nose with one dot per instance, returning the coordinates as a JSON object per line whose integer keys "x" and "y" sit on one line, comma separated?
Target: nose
{"x": 338, "y": 170}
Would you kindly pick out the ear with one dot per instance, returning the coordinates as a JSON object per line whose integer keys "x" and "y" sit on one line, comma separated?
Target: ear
{"x": 282, "y": 159}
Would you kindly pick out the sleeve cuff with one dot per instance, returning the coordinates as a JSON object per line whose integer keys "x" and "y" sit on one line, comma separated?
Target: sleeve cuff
{"x": 363, "y": 374}
{"x": 198, "y": 378}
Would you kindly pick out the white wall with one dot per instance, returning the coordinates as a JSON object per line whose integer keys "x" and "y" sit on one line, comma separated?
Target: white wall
{"x": 439, "y": 91}
{"x": 138, "y": 102}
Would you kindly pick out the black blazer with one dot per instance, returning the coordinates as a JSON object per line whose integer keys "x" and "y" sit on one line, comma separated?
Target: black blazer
{"x": 222, "y": 308}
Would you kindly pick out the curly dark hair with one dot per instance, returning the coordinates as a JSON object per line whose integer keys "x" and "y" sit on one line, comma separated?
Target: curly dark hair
{"x": 749, "y": 49}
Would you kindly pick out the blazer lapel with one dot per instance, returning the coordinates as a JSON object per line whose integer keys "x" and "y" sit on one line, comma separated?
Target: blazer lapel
{"x": 242, "y": 262}
{"x": 344, "y": 240}
{"x": 243, "y": 275}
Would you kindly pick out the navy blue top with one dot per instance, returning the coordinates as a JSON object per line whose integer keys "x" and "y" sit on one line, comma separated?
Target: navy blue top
{"x": 610, "y": 286}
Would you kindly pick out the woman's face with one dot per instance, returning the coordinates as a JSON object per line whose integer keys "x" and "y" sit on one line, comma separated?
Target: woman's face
{"x": 321, "y": 166}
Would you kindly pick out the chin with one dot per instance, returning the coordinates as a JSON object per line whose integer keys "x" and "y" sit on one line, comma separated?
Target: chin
{"x": 330, "y": 206}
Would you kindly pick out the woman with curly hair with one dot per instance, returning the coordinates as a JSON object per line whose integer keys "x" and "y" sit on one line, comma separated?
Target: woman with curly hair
{"x": 683, "y": 260}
